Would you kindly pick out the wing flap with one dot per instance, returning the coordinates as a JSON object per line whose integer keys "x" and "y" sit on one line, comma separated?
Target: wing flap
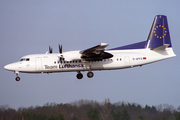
{"x": 95, "y": 53}
{"x": 95, "y": 50}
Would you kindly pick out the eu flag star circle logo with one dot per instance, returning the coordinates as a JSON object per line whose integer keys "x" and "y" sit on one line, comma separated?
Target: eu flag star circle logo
{"x": 159, "y": 28}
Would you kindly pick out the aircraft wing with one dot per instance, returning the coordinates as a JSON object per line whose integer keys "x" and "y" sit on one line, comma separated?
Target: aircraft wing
{"x": 95, "y": 53}
{"x": 95, "y": 50}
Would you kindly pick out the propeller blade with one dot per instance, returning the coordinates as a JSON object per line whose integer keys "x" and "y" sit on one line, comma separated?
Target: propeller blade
{"x": 50, "y": 49}
{"x": 60, "y": 49}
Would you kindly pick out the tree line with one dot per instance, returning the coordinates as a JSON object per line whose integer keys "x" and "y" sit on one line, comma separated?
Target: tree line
{"x": 91, "y": 110}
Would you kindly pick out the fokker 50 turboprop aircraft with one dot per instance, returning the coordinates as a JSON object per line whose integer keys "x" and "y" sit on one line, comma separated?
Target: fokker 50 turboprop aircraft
{"x": 157, "y": 47}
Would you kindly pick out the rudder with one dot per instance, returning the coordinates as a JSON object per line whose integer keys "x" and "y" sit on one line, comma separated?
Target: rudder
{"x": 159, "y": 33}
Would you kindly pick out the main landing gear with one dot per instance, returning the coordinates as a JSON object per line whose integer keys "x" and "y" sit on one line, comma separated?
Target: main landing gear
{"x": 90, "y": 74}
{"x": 17, "y": 77}
{"x": 80, "y": 75}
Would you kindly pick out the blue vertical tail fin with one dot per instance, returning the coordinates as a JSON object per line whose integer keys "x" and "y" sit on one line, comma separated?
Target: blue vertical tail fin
{"x": 159, "y": 34}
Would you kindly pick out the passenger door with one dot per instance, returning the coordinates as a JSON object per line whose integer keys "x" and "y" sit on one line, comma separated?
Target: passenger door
{"x": 38, "y": 63}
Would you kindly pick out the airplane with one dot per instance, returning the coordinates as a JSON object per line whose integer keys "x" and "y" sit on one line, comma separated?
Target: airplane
{"x": 157, "y": 47}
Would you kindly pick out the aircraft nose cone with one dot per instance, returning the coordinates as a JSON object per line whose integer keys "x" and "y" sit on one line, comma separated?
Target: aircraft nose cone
{"x": 7, "y": 67}
{"x": 11, "y": 67}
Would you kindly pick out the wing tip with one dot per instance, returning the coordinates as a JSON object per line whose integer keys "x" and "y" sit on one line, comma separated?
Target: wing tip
{"x": 103, "y": 44}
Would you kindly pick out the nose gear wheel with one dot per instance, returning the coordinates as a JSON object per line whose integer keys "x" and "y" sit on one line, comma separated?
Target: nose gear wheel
{"x": 17, "y": 78}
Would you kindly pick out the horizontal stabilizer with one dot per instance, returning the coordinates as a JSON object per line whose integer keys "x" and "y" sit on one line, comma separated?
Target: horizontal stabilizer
{"x": 162, "y": 47}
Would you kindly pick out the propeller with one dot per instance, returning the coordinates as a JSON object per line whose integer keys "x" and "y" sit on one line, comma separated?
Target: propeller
{"x": 61, "y": 58}
{"x": 50, "y": 50}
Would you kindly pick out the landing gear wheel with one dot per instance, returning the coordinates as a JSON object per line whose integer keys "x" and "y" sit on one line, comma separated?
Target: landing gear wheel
{"x": 90, "y": 74}
{"x": 79, "y": 76}
{"x": 17, "y": 78}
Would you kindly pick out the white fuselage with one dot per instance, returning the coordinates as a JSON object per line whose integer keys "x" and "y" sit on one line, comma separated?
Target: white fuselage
{"x": 48, "y": 63}
{"x": 157, "y": 47}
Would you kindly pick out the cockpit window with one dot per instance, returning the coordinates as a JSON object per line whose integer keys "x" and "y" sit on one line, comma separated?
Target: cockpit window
{"x": 24, "y": 59}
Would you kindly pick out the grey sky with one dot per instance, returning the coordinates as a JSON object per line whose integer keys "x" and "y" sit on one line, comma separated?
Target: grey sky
{"x": 28, "y": 27}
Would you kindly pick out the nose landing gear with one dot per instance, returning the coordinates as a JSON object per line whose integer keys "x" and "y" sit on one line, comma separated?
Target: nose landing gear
{"x": 17, "y": 77}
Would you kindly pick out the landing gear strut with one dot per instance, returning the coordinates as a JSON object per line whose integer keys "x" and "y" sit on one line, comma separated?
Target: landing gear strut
{"x": 90, "y": 74}
{"x": 17, "y": 78}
